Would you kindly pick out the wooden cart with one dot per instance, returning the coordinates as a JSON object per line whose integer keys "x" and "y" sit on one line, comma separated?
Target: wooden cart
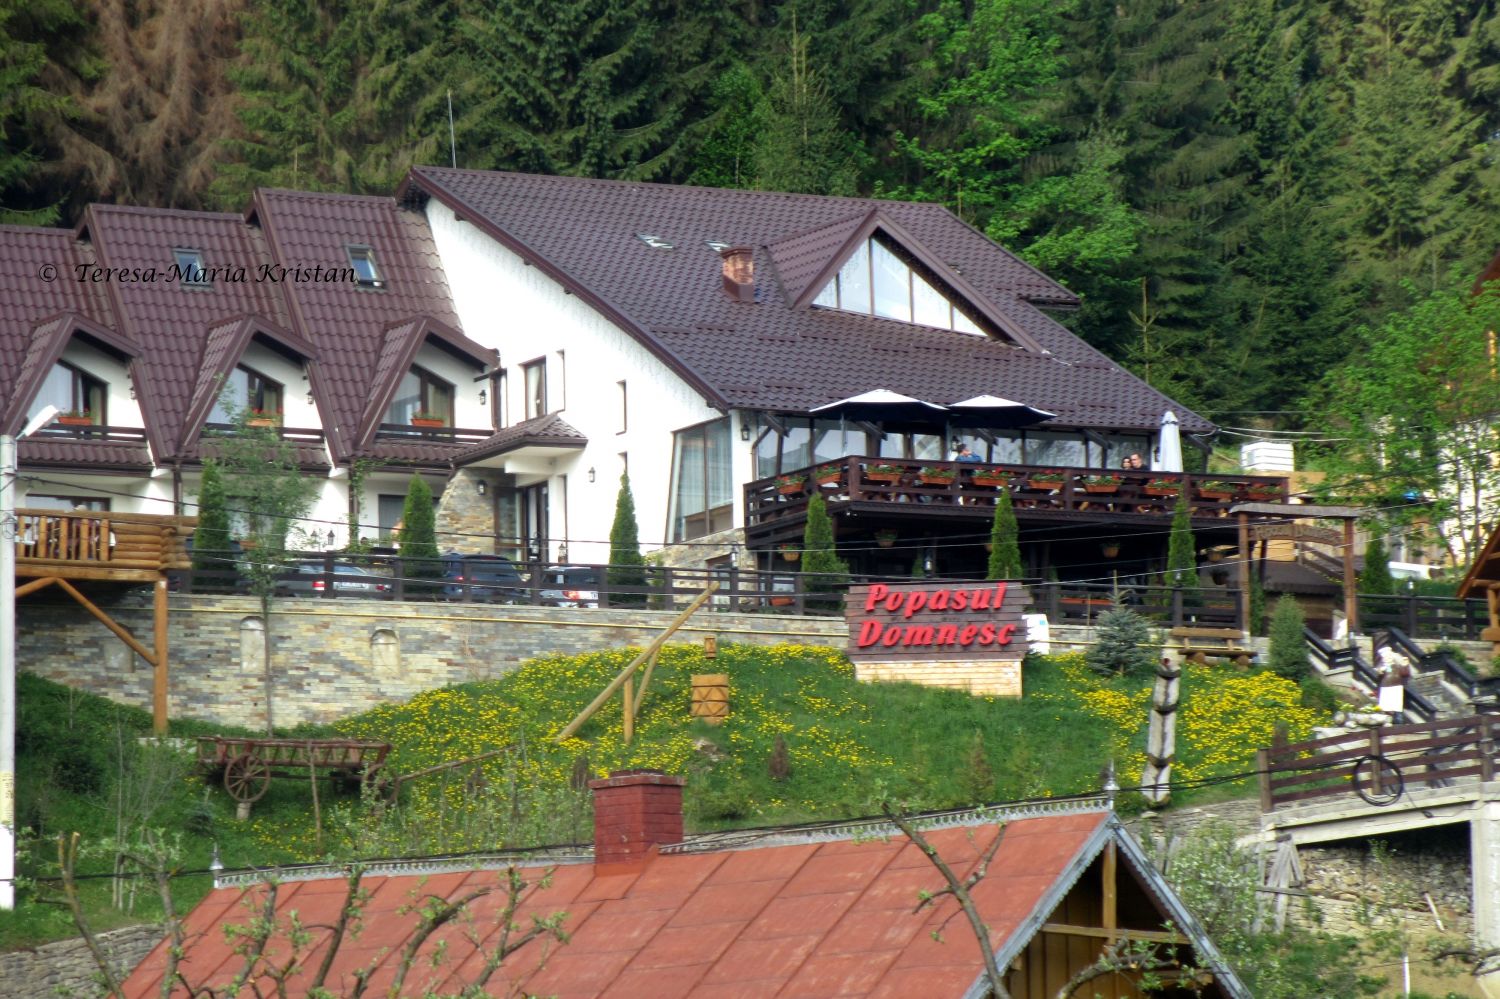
{"x": 246, "y": 766}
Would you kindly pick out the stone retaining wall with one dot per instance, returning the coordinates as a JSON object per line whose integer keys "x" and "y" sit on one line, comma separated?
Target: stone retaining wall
{"x": 67, "y": 968}
{"x": 332, "y": 658}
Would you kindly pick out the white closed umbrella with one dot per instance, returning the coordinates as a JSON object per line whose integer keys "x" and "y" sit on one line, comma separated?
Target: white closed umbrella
{"x": 1168, "y": 445}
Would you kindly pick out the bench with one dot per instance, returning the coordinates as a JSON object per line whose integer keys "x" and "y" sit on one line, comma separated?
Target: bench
{"x": 1197, "y": 644}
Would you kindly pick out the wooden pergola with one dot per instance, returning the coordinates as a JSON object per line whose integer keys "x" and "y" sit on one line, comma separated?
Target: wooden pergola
{"x": 1291, "y": 513}
{"x": 59, "y": 549}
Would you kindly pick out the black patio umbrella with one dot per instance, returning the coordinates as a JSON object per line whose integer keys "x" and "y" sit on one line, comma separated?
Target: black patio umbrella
{"x": 990, "y": 412}
{"x": 891, "y": 409}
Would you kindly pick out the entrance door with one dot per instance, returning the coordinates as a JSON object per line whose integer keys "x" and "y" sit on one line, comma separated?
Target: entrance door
{"x": 534, "y": 534}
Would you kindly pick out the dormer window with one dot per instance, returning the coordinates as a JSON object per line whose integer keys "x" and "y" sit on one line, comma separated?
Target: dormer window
{"x": 189, "y": 267}
{"x": 75, "y": 393}
{"x": 877, "y": 281}
{"x": 366, "y": 273}
{"x": 251, "y": 392}
{"x": 421, "y": 392}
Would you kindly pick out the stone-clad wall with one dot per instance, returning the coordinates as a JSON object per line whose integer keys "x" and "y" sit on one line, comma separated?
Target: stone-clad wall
{"x": 333, "y": 658}
{"x": 67, "y": 968}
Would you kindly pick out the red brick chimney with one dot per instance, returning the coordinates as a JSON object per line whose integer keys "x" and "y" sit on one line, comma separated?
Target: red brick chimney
{"x": 635, "y": 810}
{"x": 739, "y": 272}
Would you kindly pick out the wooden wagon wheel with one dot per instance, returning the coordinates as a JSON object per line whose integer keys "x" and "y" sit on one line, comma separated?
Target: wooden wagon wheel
{"x": 380, "y": 783}
{"x": 247, "y": 778}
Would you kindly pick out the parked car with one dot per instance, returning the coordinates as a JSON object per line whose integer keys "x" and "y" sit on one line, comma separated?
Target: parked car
{"x": 307, "y": 579}
{"x": 490, "y": 578}
{"x": 570, "y": 586}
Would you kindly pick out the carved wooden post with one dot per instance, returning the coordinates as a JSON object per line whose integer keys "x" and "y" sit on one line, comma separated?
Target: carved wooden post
{"x": 1161, "y": 736}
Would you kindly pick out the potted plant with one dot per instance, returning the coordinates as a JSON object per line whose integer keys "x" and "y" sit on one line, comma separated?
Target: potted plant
{"x": 933, "y": 475}
{"x": 422, "y": 418}
{"x": 1162, "y": 487}
{"x": 883, "y": 473}
{"x": 1217, "y": 489}
{"x": 1047, "y": 478}
{"x": 828, "y": 474}
{"x": 1263, "y": 491}
{"x": 790, "y": 552}
{"x": 1105, "y": 483}
{"x": 76, "y": 418}
{"x": 990, "y": 477}
{"x": 262, "y": 418}
{"x": 885, "y": 537}
{"x": 789, "y": 484}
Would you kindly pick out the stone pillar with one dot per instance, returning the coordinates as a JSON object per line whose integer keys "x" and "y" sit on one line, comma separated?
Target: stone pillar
{"x": 465, "y": 518}
{"x": 1484, "y": 855}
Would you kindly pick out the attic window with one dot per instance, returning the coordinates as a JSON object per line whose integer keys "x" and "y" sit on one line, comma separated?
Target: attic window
{"x": 655, "y": 242}
{"x": 189, "y": 267}
{"x": 878, "y": 281}
{"x": 366, "y": 274}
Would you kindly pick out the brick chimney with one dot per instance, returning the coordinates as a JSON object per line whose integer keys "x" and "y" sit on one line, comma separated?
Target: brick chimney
{"x": 635, "y": 810}
{"x": 739, "y": 272}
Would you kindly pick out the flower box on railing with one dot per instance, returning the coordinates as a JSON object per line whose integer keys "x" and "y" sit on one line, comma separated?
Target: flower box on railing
{"x": 76, "y": 419}
{"x": 1046, "y": 480}
{"x": 1217, "y": 489}
{"x": 990, "y": 477}
{"x": 1163, "y": 487}
{"x": 1101, "y": 483}
{"x": 883, "y": 473}
{"x": 933, "y": 476}
{"x": 789, "y": 485}
{"x": 828, "y": 474}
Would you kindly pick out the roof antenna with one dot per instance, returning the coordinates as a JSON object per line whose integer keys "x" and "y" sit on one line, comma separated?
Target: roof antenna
{"x": 452, "y": 145}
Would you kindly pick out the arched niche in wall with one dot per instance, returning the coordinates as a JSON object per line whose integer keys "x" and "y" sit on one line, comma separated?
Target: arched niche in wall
{"x": 252, "y": 645}
{"x": 385, "y": 652}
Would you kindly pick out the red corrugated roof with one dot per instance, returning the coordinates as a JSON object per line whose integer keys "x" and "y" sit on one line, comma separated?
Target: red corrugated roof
{"x": 808, "y": 919}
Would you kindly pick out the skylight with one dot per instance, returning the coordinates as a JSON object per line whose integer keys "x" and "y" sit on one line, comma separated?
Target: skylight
{"x": 366, "y": 273}
{"x": 717, "y": 245}
{"x": 189, "y": 264}
{"x": 655, "y": 242}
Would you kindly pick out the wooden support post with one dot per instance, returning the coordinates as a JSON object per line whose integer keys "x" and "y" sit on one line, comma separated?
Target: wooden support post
{"x": 108, "y": 622}
{"x": 1111, "y": 896}
{"x": 1246, "y": 624}
{"x": 1263, "y": 768}
{"x": 640, "y": 693}
{"x": 159, "y": 681}
{"x": 625, "y": 674}
{"x": 626, "y": 701}
{"x": 1351, "y": 602}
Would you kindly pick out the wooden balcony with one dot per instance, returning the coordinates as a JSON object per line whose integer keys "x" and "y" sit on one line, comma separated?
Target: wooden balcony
{"x": 84, "y": 544}
{"x": 893, "y": 487}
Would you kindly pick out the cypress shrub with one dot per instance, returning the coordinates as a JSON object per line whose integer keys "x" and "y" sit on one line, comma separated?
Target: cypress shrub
{"x": 1005, "y": 546}
{"x": 1288, "y": 655}
{"x": 627, "y": 567}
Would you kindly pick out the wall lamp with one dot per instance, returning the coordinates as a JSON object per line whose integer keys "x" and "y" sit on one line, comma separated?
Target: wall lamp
{"x": 483, "y": 487}
{"x": 591, "y": 475}
{"x": 484, "y": 397}
{"x": 331, "y": 539}
{"x": 744, "y": 431}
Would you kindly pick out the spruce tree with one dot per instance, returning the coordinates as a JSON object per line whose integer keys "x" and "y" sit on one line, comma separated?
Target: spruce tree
{"x": 1122, "y": 644}
{"x": 418, "y": 535}
{"x": 1376, "y": 576}
{"x": 977, "y": 778}
{"x": 211, "y": 539}
{"x": 818, "y": 554}
{"x": 802, "y": 146}
{"x": 1005, "y": 547}
{"x": 1288, "y": 647}
{"x": 1182, "y": 559}
{"x": 627, "y": 567}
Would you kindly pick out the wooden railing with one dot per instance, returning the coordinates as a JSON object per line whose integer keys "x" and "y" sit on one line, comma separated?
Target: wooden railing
{"x": 434, "y": 435}
{"x": 1032, "y": 487}
{"x": 65, "y": 543}
{"x": 1438, "y": 617}
{"x": 1432, "y": 754}
{"x": 1328, "y": 657}
{"x": 57, "y": 431}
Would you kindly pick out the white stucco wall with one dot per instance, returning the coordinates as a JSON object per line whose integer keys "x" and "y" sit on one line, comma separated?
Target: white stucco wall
{"x": 516, "y": 308}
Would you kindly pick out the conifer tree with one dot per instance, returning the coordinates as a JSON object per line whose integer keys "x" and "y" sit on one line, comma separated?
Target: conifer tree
{"x": 627, "y": 567}
{"x": 802, "y": 147}
{"x": 818, "y": 554}
{"x": 1288, "y": 648}
{"x": 1122, "y": 644}
{"x": 977, "y": 777}
{"x": 1182, "y": 558}
{"x": 1005, "y": 548}
{"x": 1375, "y": 578}
{"x": 211, "y": 538}
{"x": 418, "y": 535}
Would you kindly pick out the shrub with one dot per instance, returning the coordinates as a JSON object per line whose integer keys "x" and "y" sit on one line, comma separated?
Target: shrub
{"x": 819, "y": 555}
{"x": 977, "y": 778}
{"x": 418, "y": 535}
{"x": 211, "y": 539}
{"x": 1123, "y": 646}
{"x": 1182, "y": 560}
{"x": 1288, "y": 655}
{"x": 1376, "y": 576}
{"x": 627, "y": 567}
{"x": 1005, "y": 547}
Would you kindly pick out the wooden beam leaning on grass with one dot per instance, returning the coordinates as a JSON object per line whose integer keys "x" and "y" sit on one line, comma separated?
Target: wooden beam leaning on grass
{"x": 959, "y": 889}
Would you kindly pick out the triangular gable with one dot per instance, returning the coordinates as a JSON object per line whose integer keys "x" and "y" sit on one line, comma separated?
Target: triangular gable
{"x": 801, "y": 259}
{"x": 1484, "y": 571}
{"x": 222, "y": 350}
{"x": 49, "y": 339}
{"x": 798, "y": 253}
{"x": 1133, "y": 860}
{"x": 398, "y": 351}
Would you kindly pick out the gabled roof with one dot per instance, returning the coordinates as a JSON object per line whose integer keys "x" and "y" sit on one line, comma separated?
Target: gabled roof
{"x": 49, "y": 339}
{"x": 770, "y": 354}
{"x": 308, "y": 231}
{"x": 222, "y": 349}
{"x": 1485, "y": 572}
{"x": 550, "y": 432}
{"x": 400, "y": 343}
{"x": 820, "y": 914}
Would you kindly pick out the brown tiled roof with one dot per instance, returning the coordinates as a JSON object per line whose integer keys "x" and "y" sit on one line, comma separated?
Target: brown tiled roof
{"x": 770, "y": 354}
{"x": 345, "y": 320}
{"x": 545, "y": 431}
{"x": 71, "y": 453}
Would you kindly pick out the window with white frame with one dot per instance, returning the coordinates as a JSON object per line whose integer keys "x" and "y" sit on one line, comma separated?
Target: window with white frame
{"x": 702, "y": 494}
{"x": 421, "y": 394}
{"x": 879, "y": 281}
{"x": 74, "y": 392}
{"x": 534, "y": 374}
{"x": 249, "y": 392}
